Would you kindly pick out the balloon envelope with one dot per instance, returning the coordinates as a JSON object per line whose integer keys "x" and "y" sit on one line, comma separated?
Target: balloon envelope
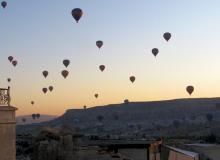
{"x": 38, "y": 115}
{"x": 66, "y": 62}
{"x": 14, "y": 63}
{"x": 44, "y": 90}
{"x": 32, "y": 102}
{"x": 126, "y": 101}
{"x": 45, "y": 74}
{"x": 33, "y": 116}
{"x": 50, "y": 88}
{"x": 96, "y": 95}
{"x": 167, "y": 36}
{"x": 155, "y": 51}
{"x": 9, "y": 79}
{"x": 65, "y": 73}
{"x": 190, "y": 89}
{"x": 24, "y": 120}
{"x": 99, "y": 44}
{"x": 4, "y": 4}
{"x": 77, "y": 14}
{"x": 102, "y": 67}
{"x": 10, "y": 58}
{"x": 132, "y": 79}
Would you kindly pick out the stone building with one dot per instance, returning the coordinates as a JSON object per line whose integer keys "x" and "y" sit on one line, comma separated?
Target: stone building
{"x": 7, "y": 127}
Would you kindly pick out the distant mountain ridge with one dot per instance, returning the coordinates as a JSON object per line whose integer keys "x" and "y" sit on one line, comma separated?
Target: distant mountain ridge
{"x": 30, "y": 120}
{"x": 178, "y": 116}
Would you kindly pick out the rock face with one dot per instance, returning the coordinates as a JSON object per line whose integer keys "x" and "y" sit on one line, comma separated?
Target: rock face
{"x": 180, "y": 117}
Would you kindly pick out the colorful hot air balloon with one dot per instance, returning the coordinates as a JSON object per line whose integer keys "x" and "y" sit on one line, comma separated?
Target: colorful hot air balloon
{"x": 9, "y": 80}
{"x": 65, "y": 73}
{"x": 190, "y": 89}
{"x": 45, "y": 74}
{"x": 10, "y": 58}
{"x": 14, "y": 63}
{"x": 167, "y": 36}
{"x": 44, "y": 90}
{"x": 102, "y": 67}
{"x": 155, "y": 51}
{"x": 77, "y": 14}
{"x": 4, "y": 4}
{"x": 50, "y": 88}
{"x": 132, "y": 79}
{"x": 32, "y": 102}
{"x": 96, "y": 95}
{"x": 99, "y": 44}
{"x": 66, "y": 62}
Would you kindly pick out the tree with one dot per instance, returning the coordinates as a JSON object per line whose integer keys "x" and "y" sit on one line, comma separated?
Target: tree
{"x": 139, "y": 126}
{"x": 116, "y": 117}
{"x": 100, "y": 118}
{"x": 209, "y": 117}
{"x": 176, "y": 123}
{"x": 193, "y": 117}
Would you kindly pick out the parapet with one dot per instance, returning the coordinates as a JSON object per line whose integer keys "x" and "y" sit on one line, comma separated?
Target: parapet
{"x": 7, "y": 114}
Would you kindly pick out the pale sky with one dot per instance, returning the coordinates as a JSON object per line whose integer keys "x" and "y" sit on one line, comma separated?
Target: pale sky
{"x": 40, "y": 34}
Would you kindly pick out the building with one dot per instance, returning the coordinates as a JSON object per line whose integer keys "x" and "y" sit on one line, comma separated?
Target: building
{"x": 7, "y": 127}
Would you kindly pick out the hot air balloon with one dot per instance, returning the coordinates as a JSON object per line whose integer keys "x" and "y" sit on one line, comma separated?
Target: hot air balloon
{"x": 10, "y": 58}
{"x": 65, "y": 73}
{"x": 155, "y": 51}
{"x": 33, "y": 116}
{"x": 84, "y": 107}
{"x": 99, "y": 44}
{"x": 44, "y": 90}
{"x": 4, "y": 4}
{"x": 14, "y": 63}
{"x": 96, "y": 95}
{"x": 167, "y": 36}
{"x": 9, "y": 80}
{"x": 50, "y": 88}
{"x": 132, "y": 79}
{"x": 102, "y": 67}
{"x": 32, "y": 102}
{"x": 77, "y": 14}
{"x": 45, "y": 73}
{"x": 37, "y": 115}
{"x": 66, "y": 62}
{"x": 126, "y": 101}
{"x": 23, "y": 120}
{"x": 190, "y": 89}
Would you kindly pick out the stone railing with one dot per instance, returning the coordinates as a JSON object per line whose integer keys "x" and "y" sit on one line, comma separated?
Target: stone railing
{"x": 5, "y": 96}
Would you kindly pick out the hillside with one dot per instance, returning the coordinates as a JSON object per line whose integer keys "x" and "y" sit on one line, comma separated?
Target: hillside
{"x": 180, "y": 117}
{"x": 30, "y": 120}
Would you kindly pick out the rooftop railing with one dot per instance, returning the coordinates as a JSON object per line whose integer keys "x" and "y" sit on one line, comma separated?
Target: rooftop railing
{"x": 5, "y": 96}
